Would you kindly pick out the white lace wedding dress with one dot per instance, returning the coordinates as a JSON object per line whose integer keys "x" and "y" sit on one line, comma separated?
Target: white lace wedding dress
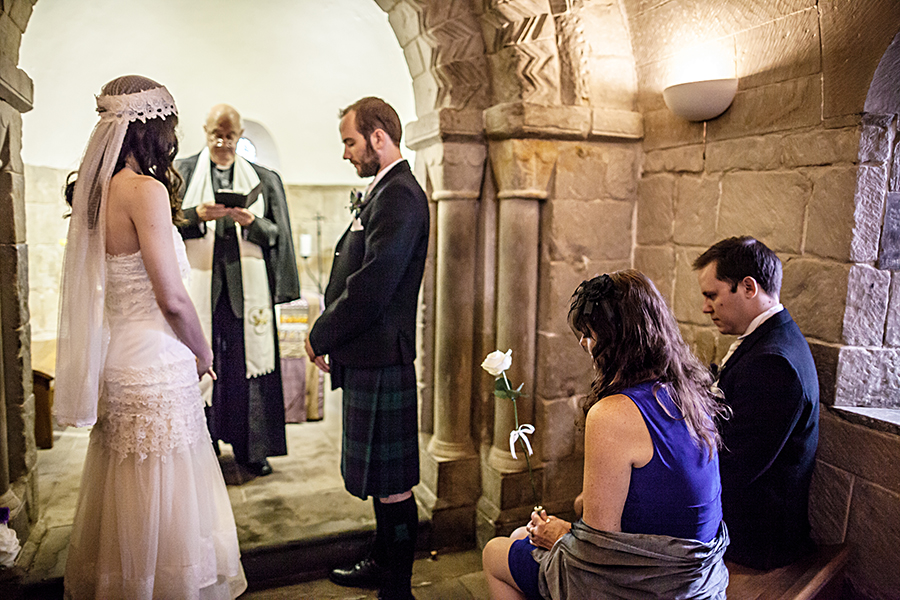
{"x": 153, "y": 518}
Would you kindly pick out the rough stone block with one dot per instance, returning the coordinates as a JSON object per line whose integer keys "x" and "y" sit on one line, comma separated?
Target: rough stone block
{"x": 555, "y": 425}
{"x": 779, "y": 50}
{"x": 20, "y": 12}
{"x": 523, "y": 165}
{"x": 591, "y": 171}
{"x": 696, "y": 208}
{"x": 702, "y": 342}
{"x": 826, "y": 357}
{"x": 894, "y": 175}
{"x": 562, "y": 367}
{"x": 867, "y": 215}
{"x": 11, "y": 139}
{"x": 652, "y": 80}
{"x": 821, "y": 147}
{"x": 866, "y": 309}
{"x": 688, "y": 303}
{"x": 768, "y": 206}
{"x": 405, "y": 20}
{"x": 806, "y": 282}
{"x": 847, "y": 64}
{"x": 829, "y": 503}
{"x": 829, "y": 228}
{"x": 868, "y": 377}
{"x": 563, "y": 481}
{"x": 889, "y": 255}
{"x": 860, "y": 450}
{"x": 12, "y": 207}
{"x": 873, "y": 533}
{"x": 778, "y": 107}
{"x": 892, "y": 328}
{"x": 599, "y": 230}
{"x": 11, "y": 36}
{"x": 418, "y": 54}
{"x": 610, "y": 79}
{"x": 622, "y": 170}
{"x": 760, "y": 153}
{"x": 658, "y": 264}
{"x": 425, "y": 88}
{"x": 655, "y": 209}
{"x": 662, "y": 129}
{"x": 876, "y": 138}
{"x": 672, "y": 160}
{"x": 660, "y": 26}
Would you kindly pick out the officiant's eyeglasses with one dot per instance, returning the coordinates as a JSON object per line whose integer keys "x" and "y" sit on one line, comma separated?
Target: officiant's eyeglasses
{"x": 230, "y": 139}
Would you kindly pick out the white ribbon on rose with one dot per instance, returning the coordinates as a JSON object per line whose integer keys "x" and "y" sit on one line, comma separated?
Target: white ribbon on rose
{"x": 521, "y": 433}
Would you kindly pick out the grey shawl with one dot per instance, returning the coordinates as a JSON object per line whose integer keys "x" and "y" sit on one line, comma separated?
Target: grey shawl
{"x": 591, "y": 564}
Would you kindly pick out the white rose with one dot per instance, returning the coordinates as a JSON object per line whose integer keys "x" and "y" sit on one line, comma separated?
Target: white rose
{"x": 496, "y": 362}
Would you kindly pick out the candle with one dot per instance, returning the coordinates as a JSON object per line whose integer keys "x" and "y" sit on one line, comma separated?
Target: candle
{"x": 305, "y": 245}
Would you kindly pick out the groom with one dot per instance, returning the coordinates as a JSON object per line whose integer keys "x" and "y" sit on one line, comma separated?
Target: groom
{"x": 368, "y": 332}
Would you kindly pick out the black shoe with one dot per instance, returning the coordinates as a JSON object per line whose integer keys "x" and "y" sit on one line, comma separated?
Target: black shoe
{"x": 364, "y": 574}
{"x": 260, "y": 469}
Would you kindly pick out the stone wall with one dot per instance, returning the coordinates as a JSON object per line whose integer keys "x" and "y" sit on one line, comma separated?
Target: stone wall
{"x": 795, "y": 163}
{"x": 18, "y": 452}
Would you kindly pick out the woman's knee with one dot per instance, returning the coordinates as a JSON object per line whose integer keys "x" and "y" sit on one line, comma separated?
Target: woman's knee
{"x": 495, "y": 555}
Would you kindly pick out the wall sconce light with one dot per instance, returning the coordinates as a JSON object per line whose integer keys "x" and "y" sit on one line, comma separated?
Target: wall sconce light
{"x": 700, "y": 100}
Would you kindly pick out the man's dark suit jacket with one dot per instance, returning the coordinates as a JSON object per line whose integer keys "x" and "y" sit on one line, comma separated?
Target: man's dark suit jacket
{"x": 771, "y": 385}
{"x": 271, "y": 233}
{"x": 371, "y": 300}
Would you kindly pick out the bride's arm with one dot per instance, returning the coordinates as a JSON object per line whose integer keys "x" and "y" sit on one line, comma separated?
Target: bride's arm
{"x": 150, "y": 212}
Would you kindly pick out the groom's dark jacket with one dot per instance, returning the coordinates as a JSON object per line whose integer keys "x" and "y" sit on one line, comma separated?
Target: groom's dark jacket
{"x": 371, "y": 300}
{"x": 771, "y": 385}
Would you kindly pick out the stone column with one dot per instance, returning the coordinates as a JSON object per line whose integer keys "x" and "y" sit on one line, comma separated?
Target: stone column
{"x": 453, "y": 344}
{"x": 454, "y": 172}
{"x": 518, "y": 240}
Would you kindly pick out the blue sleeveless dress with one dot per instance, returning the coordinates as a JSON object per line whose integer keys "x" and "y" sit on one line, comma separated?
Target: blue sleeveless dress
{"x": 676, "y": 494}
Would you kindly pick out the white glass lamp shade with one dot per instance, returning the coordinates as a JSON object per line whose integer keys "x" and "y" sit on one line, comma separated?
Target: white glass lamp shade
{"x": 700, "y": 100}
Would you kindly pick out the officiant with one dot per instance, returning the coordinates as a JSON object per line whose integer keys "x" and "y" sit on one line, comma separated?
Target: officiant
{"x": 242, "y": 262}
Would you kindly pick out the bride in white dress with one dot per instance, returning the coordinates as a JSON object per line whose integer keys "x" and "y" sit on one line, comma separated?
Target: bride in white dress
{"x": 153, "y": 519}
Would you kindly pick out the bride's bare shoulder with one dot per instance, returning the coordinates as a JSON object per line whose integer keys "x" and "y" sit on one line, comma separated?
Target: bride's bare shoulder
{"x": 128, "y": 187}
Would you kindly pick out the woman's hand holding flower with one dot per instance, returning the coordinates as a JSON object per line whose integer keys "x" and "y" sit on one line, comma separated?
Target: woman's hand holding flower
{"x": 544, "y": 531}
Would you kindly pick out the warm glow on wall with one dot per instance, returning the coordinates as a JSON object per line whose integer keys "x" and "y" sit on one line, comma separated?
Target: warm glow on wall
{"x": 701, "y": 82}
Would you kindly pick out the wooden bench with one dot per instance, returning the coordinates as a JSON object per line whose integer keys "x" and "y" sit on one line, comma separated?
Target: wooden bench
{"x": 43, "y": 369}
{"x": 816, "y": 577}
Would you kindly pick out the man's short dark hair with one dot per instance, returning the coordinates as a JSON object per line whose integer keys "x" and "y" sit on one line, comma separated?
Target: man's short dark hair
{"x": 374, "y": 113}
{"x": 739, "y": 257}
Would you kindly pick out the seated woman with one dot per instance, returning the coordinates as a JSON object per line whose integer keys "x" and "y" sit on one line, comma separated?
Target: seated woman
{"x": 651, "y": 515}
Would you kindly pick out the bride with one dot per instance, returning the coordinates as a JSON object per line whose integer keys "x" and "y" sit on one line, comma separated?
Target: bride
{"x": 153, "y": 518}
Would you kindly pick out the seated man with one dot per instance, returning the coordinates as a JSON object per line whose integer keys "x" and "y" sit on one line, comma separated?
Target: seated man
{"x": 769, "y": 380}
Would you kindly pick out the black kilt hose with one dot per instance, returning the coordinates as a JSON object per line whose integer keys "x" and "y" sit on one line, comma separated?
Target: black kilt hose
{"x": 380, "y": 448}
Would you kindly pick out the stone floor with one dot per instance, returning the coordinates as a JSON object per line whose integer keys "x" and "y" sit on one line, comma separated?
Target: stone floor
{"x": 292, "y": 525}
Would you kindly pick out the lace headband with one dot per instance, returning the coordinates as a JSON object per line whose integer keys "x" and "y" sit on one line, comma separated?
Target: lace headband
{"x": 149, "y": 104}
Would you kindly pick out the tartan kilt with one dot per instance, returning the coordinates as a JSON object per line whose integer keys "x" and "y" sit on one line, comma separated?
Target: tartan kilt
{"x": 380, "y": 444}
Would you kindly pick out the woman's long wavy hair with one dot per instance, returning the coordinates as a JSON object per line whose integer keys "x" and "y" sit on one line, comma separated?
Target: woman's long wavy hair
{"x": 636, "y": 339}
{"x": 153, "y": 144}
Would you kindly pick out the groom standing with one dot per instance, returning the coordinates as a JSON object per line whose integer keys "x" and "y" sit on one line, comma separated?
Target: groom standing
{"x": 368, "y": 332}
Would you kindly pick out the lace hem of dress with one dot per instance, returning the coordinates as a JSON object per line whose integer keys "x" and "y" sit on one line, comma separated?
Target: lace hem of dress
{"x": 151, "y": 410}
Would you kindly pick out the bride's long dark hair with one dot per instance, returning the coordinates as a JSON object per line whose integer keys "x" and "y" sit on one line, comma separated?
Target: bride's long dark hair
{"x": 153, "y": 144}
{"x": 636, "y": 339}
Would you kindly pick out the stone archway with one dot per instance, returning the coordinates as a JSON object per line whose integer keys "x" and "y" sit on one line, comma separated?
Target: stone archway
{"x": 511, "y": 109}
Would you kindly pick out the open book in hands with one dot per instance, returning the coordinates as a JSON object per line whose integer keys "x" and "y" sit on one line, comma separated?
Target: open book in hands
{"x": 233, "y": 199}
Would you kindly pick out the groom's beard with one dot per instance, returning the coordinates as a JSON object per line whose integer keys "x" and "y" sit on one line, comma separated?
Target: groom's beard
{"x": 369, "y": 165}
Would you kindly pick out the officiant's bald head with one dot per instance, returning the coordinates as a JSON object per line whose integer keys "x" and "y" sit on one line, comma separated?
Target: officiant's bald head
{"x": 223, "y": 128}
